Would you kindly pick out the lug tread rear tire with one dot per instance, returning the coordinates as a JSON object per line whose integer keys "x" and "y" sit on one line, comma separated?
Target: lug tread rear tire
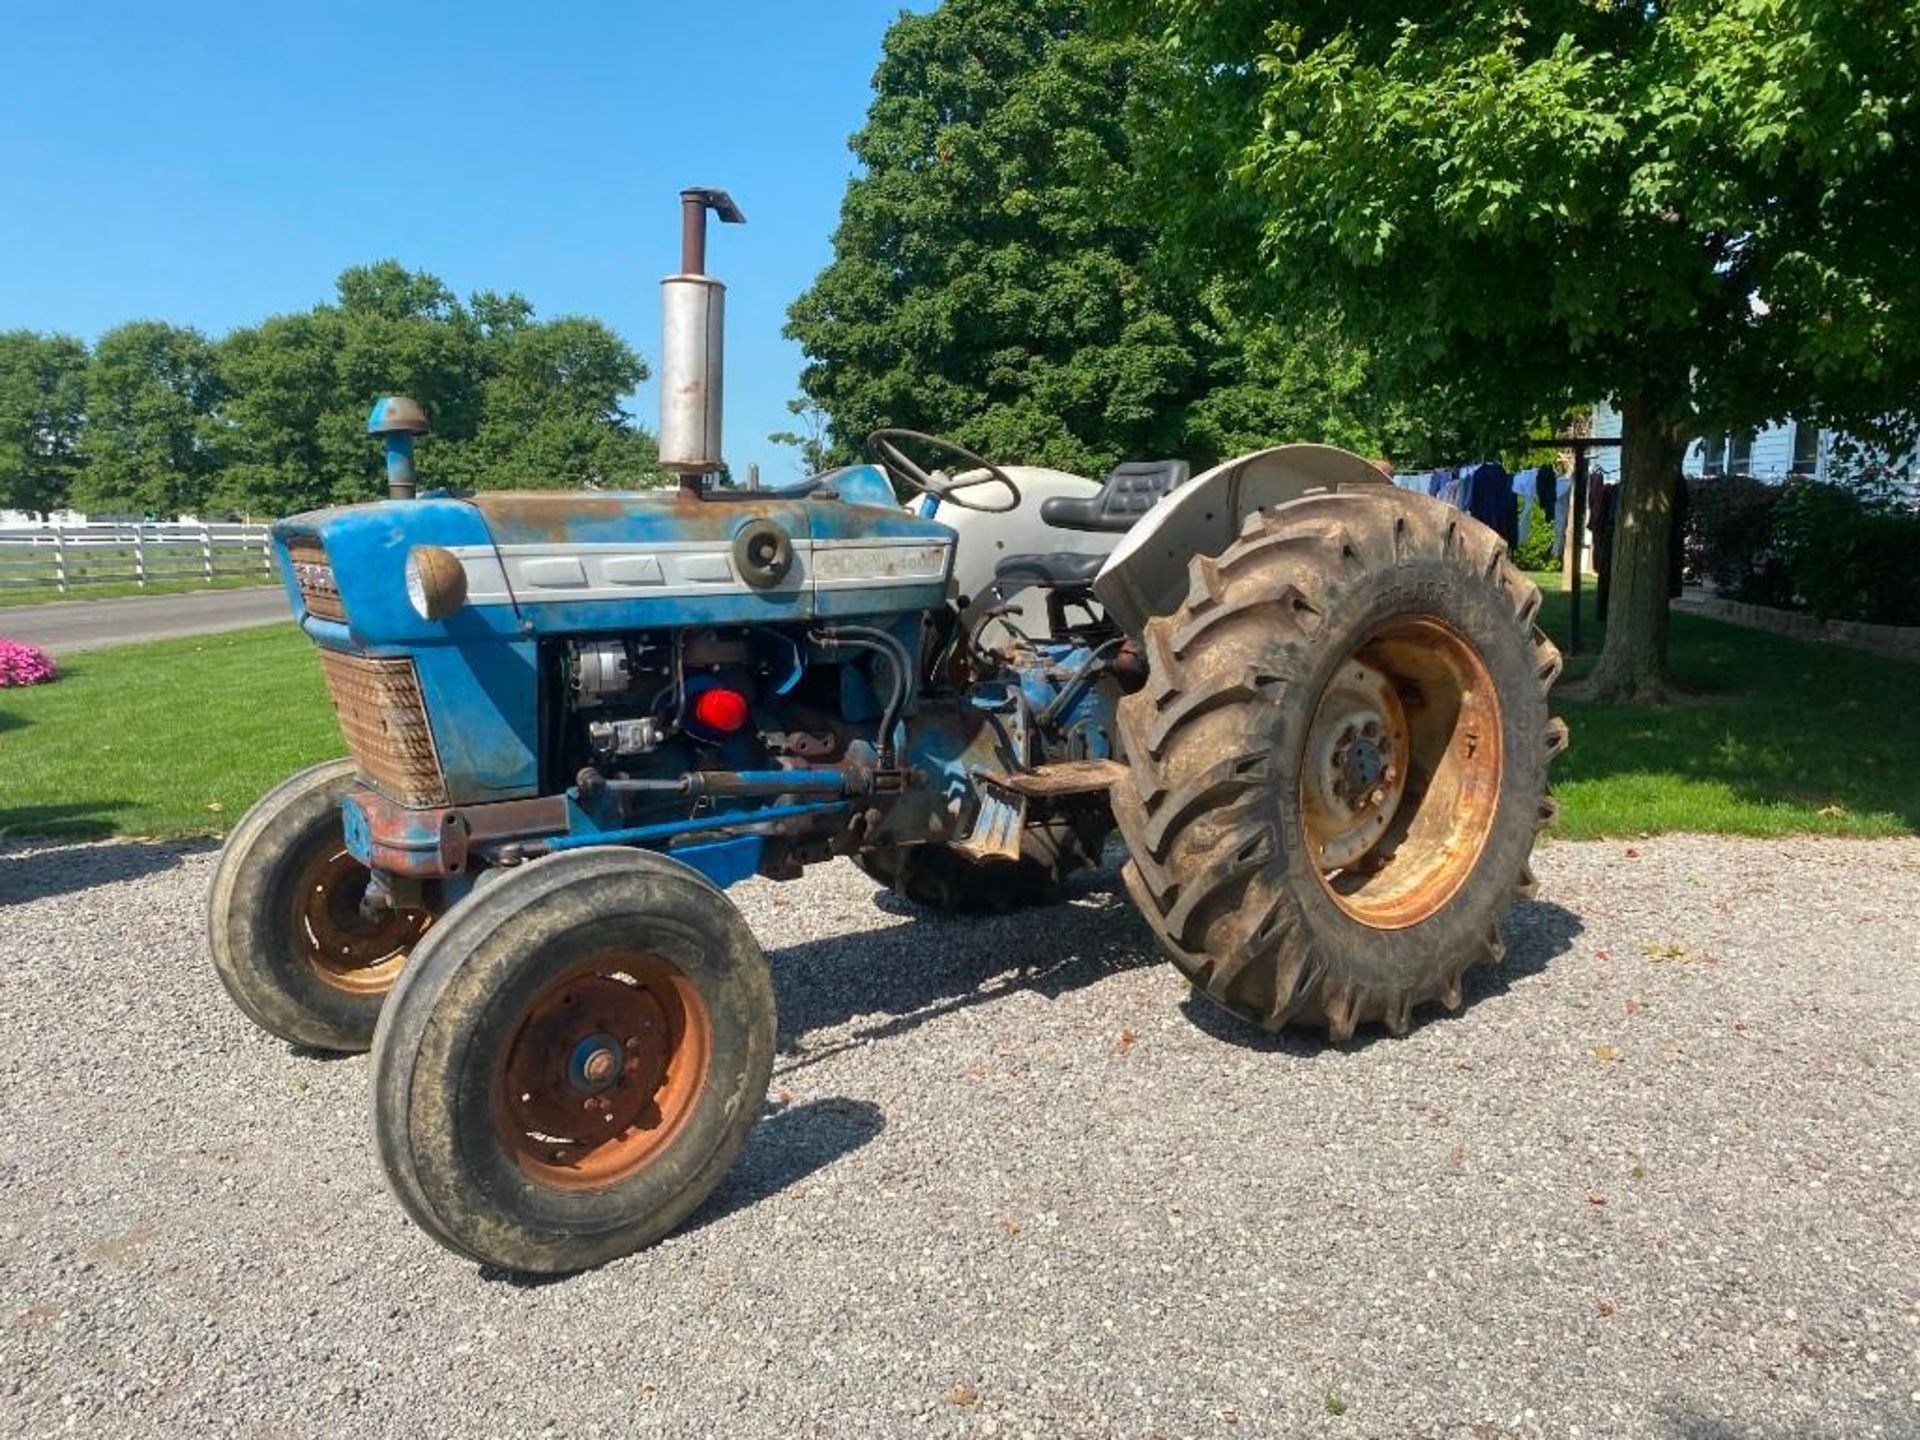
{"x": 1233, "y": 668}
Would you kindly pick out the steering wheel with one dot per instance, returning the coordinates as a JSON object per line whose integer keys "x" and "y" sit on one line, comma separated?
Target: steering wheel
{"x": 884, "y": 446}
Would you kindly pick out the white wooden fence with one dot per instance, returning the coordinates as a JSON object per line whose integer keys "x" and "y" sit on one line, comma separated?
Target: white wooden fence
{"x": 70, "y": 558}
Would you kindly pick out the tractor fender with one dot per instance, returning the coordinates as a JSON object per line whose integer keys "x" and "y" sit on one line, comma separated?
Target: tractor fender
{"x": 1146, "y": 575}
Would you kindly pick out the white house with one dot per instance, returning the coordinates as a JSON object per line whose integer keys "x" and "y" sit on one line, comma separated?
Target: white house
{"x": 1772, "y": 453}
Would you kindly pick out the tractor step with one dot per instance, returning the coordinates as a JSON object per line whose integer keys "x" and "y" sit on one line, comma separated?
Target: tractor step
{"x": 999, "y": 825}
{"x": 1069, "y": 777}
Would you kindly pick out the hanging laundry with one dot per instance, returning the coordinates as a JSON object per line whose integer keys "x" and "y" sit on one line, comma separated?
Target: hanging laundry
{"x": 1488, "y": 497}
{"x": 1603, "y": 518}
{"x": 1546, "y": 487}
{"x": 1562, "y": 502}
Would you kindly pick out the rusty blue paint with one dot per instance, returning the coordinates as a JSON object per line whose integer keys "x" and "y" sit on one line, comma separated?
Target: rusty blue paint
{"x": 400, "y": 473}
{"x": 724, "y": 862}
{"x": 480, "y": 675}
{"x": 718, "y": 823}
{"x": 396, "y": 420}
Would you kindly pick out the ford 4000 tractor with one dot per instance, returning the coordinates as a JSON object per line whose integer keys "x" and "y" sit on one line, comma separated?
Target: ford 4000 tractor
{"x": 1313, "y": 705}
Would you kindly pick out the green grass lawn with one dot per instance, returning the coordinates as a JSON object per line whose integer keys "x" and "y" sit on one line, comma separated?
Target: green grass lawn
{"x": 1778, "y": 736}
{"x": 169, "y": 738}
{"x": 1775, "y": 737}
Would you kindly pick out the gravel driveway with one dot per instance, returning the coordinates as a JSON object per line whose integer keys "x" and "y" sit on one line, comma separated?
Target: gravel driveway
{"x": 1658, "y": 1178}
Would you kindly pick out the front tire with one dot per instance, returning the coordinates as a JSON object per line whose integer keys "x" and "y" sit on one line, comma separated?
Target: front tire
{"x": 1339, "y": 762}
{"x": 283, "y": 919}
{"x": 573, "y": 1060}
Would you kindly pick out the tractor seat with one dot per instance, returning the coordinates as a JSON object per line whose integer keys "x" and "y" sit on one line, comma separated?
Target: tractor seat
{"x": 1129, "y": 492}
{"x": 1063, "y": 570}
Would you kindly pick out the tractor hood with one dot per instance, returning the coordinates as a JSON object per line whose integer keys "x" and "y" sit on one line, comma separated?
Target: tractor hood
{"x": 573, "y": 562}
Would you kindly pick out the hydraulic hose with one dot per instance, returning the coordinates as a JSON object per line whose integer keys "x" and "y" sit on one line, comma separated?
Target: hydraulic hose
{"x": 1070, "y": 692}
{"x": 879, "y": 642}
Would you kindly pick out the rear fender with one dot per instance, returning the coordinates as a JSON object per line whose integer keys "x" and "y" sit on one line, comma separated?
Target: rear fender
{"x": 1147, "y": 573}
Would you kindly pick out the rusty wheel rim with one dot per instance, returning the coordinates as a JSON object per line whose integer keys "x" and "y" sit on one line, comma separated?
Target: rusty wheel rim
{"x": 344, "y": 948}
{"x": 1400, "y": 773}
{"x": 603, "y": 1069}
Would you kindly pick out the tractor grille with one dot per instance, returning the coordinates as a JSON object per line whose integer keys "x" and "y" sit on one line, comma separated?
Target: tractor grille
{"x": 385, "y": 723}
{"x": 314, "y": 575}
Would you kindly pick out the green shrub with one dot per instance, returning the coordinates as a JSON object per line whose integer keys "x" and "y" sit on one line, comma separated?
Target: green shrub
{"x": 1535, "y": 550}
{"x": 1851, "y": 556}
{"x": 1732, "y": 540}
{"x": 1845, "y": 551}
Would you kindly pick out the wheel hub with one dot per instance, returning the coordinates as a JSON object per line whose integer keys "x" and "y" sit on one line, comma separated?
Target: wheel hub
{"x": 600, "y": 1072}
{"x": 347, "y": 948}
{"x": 1355, "y": 772}
{"x": 1360, "y": 770}
{"x": 1401, "y": 774}
{"x": 596, "y": 1064}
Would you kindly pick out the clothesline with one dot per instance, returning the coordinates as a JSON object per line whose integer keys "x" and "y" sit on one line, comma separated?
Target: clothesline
{"x": 1503, "y": 502}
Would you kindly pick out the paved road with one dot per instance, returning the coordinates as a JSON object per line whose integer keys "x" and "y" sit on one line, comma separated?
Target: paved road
{"x": 1659, "y": 1178}
{"x": 69, "y": 625}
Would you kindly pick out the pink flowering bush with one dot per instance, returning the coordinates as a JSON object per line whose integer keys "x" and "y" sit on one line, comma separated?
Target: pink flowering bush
{"x": 23, "y": 664}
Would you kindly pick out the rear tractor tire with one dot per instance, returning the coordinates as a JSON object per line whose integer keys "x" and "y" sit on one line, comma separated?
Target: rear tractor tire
{"x": 1339, "y": 762}
{"x": 573, "y": 1060}
{"x": 284, "y": 923}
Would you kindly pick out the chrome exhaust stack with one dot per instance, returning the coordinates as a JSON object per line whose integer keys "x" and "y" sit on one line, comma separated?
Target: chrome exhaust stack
{"x": 692, "y": 346}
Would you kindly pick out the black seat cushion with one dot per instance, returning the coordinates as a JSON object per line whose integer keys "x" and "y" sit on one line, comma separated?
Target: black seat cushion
{"x": 1063, "y": 570}
{"x": 1130, "y": 492}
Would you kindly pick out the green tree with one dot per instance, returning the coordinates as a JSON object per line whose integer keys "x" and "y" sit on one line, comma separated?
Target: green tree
{"x": 1699, "y": 209}
{"x": 813, "y": 438}
{"x": 514, "y": 401}
{"x": 42, "y": 408}
{"x": 553, "y": 408}
{"x": 281, "y": 409}
{"x": 989, "y": 281}
{"x": 402, "y": 332}
{"x": 152, "y": 391}
{"x": 1008, "y": 268}
{"x": 1300, "y": 379}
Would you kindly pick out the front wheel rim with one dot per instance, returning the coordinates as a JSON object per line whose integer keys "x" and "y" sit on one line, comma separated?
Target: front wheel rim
{"x": 1400, "y": 774}
{"x": 345, "y": 948}
{"x": 602, "y": 1070}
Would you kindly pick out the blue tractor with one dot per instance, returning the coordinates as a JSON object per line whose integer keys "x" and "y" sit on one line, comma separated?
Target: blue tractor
{"x": 1312, "y": 704}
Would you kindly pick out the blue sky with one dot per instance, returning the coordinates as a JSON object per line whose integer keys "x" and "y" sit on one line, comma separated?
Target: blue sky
{"x": 213, "y": 163}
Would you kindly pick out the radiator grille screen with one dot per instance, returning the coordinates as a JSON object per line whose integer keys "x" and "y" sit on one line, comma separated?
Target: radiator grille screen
{"x": 314, "y": 575}
{"x": 385, "y": 723}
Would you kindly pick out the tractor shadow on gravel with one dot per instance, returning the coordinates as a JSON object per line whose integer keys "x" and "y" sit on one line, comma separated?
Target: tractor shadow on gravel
{"x": 889, "y": 982}
{"x": 1536, "y": 931}
{"x": 789, "y": 1144}
{"x": 875, "y": 985}
{"x": 37, "y": 870}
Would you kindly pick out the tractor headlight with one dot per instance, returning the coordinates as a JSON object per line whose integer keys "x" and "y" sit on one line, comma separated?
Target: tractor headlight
{"x": 436, "y": 582}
